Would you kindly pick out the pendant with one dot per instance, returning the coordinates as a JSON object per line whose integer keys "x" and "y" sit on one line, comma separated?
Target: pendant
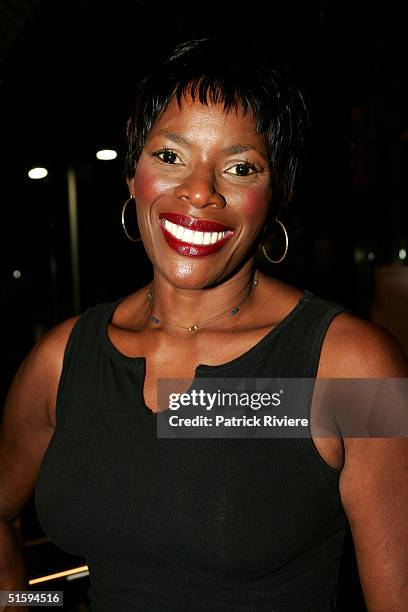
{"x": 193, "y": 328}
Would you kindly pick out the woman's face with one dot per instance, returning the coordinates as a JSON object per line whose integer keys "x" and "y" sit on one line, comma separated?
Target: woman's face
{"x": 202, "y": 189}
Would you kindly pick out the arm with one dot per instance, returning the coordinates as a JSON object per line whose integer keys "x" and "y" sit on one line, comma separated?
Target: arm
{"x": 374, "y": 479}
{"x": 27, "y": 427}
{"x": 12, "y": 568}
{"x": 374, "y": 490}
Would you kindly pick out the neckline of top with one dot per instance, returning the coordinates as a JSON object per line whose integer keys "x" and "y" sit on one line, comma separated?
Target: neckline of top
{"x": 137, "y": 360}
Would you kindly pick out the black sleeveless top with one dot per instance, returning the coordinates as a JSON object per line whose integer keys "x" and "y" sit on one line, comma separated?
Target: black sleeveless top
{"x": 243, "y": 525}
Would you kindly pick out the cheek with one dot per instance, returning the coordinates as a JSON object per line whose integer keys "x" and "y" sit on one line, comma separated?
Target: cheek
{"x": 255, "y": 204}
{"x": 148, "y": 186}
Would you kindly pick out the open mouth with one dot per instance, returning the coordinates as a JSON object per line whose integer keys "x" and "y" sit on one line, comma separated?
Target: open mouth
{"x": 193, "y": 237}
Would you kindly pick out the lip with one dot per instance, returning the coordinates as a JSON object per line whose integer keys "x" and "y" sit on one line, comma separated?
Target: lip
{"x": 201, "y": 225}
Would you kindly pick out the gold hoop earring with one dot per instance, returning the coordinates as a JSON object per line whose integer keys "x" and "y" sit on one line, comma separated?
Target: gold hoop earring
{"x": 276, "y": 261}
{"x": 132, "y": 197}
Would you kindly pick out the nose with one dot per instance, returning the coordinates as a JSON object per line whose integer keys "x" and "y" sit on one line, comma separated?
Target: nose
{"x": 200, "y": 190}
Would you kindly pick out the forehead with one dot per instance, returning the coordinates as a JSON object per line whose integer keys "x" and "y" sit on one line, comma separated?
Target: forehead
{"x": 193, "y": 116}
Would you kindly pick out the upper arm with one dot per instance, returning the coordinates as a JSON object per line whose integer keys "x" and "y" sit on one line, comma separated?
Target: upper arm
{"x": 374, "y": 479}
{"x": 29, "y": 418}
{"x": 374, "y": 492}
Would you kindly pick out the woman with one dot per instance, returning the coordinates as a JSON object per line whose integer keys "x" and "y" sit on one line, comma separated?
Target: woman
{"x": 217, "y": 524}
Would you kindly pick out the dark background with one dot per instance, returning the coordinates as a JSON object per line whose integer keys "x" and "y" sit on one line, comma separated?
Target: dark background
{"x": 67, "y": 77}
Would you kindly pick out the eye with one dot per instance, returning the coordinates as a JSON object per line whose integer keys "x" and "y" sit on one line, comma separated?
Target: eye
{"x": 242, "y": 169}
{"x": 167, "y": 156}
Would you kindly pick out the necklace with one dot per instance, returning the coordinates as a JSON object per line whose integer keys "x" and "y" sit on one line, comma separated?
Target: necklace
{"x": 195, "y": 327}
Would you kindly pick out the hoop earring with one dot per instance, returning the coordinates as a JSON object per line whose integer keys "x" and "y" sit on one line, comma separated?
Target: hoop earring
{"x": 132, "y": 197}
{"x": 276, "y": 261}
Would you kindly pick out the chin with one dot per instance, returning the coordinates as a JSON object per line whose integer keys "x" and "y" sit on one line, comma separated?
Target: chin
{"x": 186, "y": 274}
{"x": 195, "y": 273}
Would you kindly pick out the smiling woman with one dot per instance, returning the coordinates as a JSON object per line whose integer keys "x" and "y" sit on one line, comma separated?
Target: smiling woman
{"x": 196, "y": 159}
{"x": 239, "y": 524}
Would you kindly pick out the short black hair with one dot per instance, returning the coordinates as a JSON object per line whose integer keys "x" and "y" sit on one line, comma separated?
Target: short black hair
{"x": 211, "y": 70}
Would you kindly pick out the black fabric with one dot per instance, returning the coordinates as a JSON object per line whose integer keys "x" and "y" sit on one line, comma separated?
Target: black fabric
{"x": 185, "y": 525}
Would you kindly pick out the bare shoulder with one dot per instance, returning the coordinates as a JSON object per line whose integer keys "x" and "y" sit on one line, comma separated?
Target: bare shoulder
{"x": 55, "y": 339}
{"x": 36, "y": 381}
{"x": 49, "y": 350}
{"x": 356, "y": 348}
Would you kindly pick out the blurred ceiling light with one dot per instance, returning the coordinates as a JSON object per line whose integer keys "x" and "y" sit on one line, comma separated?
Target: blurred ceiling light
{"x": 37, "y": 173}
{"x": 371, "y": 256}
{"x": 402, "y": 254}
{"x": 16, "y": 273}
{"x": 106, "y": 154}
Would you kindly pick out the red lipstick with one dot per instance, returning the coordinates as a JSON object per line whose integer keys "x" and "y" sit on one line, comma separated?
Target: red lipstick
{"x": 196, "y": 225}
{"x": 201, "y": 225}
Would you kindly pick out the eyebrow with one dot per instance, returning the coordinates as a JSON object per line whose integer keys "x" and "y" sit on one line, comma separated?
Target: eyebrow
{"x": 240, "y": 148}
{"x": 176, "y": 138}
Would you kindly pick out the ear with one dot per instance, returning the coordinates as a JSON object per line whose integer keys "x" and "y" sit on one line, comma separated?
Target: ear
{"x": 131, "y": 185}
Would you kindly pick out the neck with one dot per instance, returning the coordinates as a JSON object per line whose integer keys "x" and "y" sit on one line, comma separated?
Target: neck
{"x": 189, "y": 307}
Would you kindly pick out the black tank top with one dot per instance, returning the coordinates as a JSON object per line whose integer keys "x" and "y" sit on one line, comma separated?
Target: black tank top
{"x": 243, "y": 525}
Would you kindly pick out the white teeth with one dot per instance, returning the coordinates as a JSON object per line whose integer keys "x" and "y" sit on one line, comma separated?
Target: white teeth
{"x": 188, "y": 235}
{"x": 198, "y": 237}
{"x": 185, "y": 234}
